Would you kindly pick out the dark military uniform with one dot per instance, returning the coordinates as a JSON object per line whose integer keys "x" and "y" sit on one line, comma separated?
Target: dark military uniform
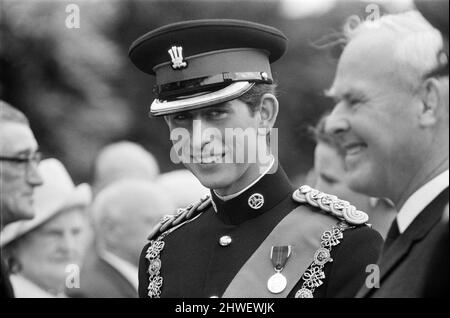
{"x": 271, "y": 240}
{"x": 201, "y": 256}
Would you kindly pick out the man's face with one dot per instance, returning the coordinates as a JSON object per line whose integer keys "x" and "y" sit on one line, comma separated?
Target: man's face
{"x": 375, "y": 117}
{"x": 18, "y": 179}
{"x": 206, "y": 153}
{"x": 46, "y": 252}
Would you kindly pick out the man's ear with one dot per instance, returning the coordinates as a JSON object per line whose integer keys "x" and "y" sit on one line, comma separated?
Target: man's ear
{"x": 431, "y": 98}
{"x": 269, "y": 111}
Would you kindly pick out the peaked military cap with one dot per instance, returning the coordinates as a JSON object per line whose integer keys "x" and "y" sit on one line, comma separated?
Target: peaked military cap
{"x": 204, "y": 62}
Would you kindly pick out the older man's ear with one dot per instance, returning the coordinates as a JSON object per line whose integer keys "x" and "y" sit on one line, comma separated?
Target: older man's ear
{"x": 434, "y": 99}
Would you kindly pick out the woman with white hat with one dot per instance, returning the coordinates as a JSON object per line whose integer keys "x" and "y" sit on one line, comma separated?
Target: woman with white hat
{"x": 41, "y": 252}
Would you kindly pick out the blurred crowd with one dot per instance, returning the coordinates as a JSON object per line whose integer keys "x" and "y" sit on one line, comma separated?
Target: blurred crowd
{"x": 88, "y": 237}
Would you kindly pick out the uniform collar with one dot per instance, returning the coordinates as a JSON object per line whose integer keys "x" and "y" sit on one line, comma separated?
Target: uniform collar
{"x": 261, "y": 197}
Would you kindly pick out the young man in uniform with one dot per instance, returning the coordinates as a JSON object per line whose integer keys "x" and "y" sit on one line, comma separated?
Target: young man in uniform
{"x": 255, "y": 235}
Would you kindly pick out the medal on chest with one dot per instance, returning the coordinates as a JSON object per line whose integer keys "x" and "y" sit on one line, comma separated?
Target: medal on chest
{"x": 279, "y": 255}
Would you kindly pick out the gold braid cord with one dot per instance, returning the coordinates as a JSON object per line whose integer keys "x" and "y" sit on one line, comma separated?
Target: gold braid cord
{"x": 330, "y": 204}
{"x": 313, "y": 277}
{"x": 167, "y": 224}
{"x": 349, "y": 217}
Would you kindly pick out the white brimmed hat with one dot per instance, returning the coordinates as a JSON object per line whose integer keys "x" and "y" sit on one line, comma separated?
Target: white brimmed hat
{"x": 57, "y": 193}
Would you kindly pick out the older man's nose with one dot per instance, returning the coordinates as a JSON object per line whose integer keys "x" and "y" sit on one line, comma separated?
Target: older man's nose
{"x": 34, "y": 177}
{"x": 336, "y": 123}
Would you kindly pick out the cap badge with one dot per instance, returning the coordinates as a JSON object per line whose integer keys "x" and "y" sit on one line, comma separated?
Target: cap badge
{"x": 256, "y": 201}
{"x": 176, "y": 54}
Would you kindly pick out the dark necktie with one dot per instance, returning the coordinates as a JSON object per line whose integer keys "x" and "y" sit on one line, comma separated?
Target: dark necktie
{"x": 6, "y": 290}
{"x": 392, "y": 235}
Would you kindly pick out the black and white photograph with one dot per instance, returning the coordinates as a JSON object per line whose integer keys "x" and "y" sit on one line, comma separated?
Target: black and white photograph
{"x": 240, "y": 150}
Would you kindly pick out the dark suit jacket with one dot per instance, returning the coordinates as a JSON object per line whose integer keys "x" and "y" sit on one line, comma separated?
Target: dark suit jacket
{"x": 98, "y": 279}
{"x": 405, "y": 265}
{"x": 6, "y": 290}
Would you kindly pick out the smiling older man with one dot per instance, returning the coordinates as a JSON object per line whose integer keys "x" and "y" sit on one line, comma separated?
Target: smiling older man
{"x": 392, "y": 119}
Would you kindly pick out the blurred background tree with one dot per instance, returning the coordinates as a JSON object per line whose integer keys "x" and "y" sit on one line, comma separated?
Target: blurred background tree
{"x": 81, "y": 92}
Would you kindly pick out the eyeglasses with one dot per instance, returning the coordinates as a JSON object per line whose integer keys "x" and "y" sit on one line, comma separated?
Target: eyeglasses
{"x": 34, "y": 158}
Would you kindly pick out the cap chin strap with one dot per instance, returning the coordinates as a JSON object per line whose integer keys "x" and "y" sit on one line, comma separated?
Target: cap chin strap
{"x": 232, "y": 91}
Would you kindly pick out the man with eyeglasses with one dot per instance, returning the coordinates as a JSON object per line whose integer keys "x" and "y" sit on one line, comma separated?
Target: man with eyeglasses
{"x": 18, "y": 174}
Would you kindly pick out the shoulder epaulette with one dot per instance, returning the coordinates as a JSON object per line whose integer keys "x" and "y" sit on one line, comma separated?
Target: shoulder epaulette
{"x": 181, "y": 216}
{"x": 348, "y": 217}
{"x": 330, "y": 204}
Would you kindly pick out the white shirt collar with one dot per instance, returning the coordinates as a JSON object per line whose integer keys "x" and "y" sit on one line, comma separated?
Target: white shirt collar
{"x": 128, "y": 270}
{"x": 420, "y": 199}
{"x": 234, "y": 195}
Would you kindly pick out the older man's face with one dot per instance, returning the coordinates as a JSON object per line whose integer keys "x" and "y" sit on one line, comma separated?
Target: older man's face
{"x": 375, "y": 117}
{"x": 18, "y": 179}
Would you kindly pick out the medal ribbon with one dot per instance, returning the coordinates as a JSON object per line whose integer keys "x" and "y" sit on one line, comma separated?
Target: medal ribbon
{"x": 279, "y": 256}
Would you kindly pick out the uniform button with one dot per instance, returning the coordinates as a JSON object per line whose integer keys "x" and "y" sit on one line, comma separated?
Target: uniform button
{"x": 225, "y": 240}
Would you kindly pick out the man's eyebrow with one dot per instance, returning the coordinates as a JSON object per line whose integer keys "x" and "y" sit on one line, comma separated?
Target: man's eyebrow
{"x": 22, "y": 152}
{"x": 184, "y": 113}
{"x": 25, "y": 152}
{"x": 222, "y": 105}
{"x": 331, "y": 93}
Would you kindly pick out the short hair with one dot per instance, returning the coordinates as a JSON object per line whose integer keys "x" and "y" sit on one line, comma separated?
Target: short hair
{"x": 254, "y": 95}
{"x": 109, "y": 167}
{"x": 115, "y": 200}
{"x": 9, "y": 113}
{"x": 419, "y": 44}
